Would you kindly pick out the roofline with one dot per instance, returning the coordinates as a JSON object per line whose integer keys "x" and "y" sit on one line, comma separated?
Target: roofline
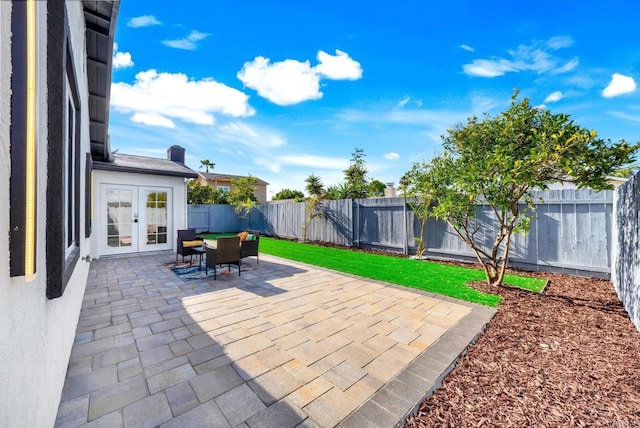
{"x": 229, "y": 176}
{"x": 109, "y": 166}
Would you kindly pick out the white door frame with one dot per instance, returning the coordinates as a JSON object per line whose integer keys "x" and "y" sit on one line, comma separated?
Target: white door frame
{"x": 135, "y": 225}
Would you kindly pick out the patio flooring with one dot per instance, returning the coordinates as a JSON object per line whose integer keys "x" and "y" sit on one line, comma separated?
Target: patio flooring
{"x": 283, "y": 345}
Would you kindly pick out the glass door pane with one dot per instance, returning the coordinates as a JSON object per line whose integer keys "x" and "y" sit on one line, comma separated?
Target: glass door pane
{"x": 157, "y": 217}
{"x": 119, "y": 214}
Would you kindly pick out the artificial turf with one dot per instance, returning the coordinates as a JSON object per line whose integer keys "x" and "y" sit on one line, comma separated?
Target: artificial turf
{"x": 448, "y": 280}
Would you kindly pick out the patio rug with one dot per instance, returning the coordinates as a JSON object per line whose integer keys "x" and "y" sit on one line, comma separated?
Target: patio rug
{"x": 191, "y": 271}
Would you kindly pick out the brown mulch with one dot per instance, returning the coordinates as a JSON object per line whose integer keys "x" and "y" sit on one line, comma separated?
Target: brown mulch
{"x": 567, "y": 357}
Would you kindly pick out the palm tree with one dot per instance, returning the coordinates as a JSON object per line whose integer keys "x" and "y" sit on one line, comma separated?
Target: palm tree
{"x": 314, "y": 185}
{"x": 207, "y": 164}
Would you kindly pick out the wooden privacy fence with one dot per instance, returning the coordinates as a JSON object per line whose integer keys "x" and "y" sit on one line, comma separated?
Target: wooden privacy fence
{"x": 571, "y": 232}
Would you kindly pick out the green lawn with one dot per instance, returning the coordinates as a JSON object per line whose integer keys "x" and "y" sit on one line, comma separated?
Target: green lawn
{"x": 424, "y": 275}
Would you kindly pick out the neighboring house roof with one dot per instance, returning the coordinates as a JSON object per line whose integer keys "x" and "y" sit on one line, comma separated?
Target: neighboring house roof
{"x": 100, "y": 21}
{"x": 227, "y": 177}
{"x": 145, "y": 165}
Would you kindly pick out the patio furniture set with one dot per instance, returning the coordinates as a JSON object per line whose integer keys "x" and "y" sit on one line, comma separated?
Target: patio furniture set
{"x": 225, "y": 251}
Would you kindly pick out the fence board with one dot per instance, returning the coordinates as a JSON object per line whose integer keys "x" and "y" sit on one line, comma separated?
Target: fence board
{"x": 626, "y": 276}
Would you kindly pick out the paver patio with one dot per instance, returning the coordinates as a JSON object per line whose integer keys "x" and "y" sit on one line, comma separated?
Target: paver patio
{"x": 283, "y": 345}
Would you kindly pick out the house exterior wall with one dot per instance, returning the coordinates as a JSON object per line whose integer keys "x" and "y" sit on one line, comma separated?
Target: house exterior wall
{"x": 37, "y": 333}
{"x": 179, "y": 200}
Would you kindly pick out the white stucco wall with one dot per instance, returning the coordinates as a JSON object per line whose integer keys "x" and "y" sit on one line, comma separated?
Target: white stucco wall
{"x": 37, "y": 334}
{"x": 179, "y": 199}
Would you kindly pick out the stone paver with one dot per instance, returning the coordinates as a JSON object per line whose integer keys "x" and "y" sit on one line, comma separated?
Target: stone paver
{"x": 282, "y": 345}
{"x": 239, "y": 404}
{"x": 215, "y": 382}
{"x": 117, "y": 396}
{"x": 147, "y": 413}
{"x": 181, "y": 398}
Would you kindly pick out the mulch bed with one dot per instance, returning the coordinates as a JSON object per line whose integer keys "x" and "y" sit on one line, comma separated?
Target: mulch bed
{"x": 567, "y": 357}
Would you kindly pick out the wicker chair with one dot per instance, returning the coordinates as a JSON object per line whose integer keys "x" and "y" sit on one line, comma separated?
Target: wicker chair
{"x": 226, "y": 253}
{"x": 188, "y": 243}
{"x": 250, "y": 247}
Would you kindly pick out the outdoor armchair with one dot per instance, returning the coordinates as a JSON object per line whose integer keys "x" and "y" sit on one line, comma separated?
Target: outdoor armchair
{"x": 227, "y": 252}
{"x": 188, "y": 243}
{"x": 250, "y": 245}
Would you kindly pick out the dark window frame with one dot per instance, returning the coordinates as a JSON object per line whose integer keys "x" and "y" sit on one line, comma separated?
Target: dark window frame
{"x": 61, "y": 258}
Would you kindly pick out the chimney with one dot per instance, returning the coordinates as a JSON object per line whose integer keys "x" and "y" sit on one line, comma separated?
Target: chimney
{"x": 176, "y": 154}
{"x": 390, "y": 191}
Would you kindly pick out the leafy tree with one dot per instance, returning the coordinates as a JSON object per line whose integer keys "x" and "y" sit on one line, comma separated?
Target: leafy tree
{"x": 376, "y": 188}
{"x": 314, "y": 186}
{"x": 243, "y": 195}
{"x": 341, "y": 191}
{"x": 356, "y": 174}
{"x": 198, "y": 194}
{"x": 206, "y": 163}
{"x": 288, "y": 194}
{"x": 316, "y": 191}
{"x": 498, "y": 161}
{"x": 418, "y": 188}
{"x": 219, "y": 196}
{"x": 626, "y": 171}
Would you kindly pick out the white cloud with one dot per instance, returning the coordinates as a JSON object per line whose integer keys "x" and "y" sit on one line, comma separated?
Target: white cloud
{"x": 250, "y": 136}
{"x": 553, "y": 97}
{"x": 403, "y": 102}
{"x": 284, "y": 83}
{"x": 169, "y": 96}
{"x": 488, "y": 68}
{"x": 268, "y": 163}
{"x": 392, "y": 156}
{"x": 619, "y": 85}
{"x": 143, "y": 21}
{"x": 626, "y": 116}
{"x": 152, "y": 120}
{"x": 312, "y": 161}
{"x": 559, "y": 42}
{"x": 338, "y": 67}
{"x": 291, "y": 81}
{"x": 467, "y": 48}
{"x": 535, "y": 57}
{"x": 188, "y": 43}
{"x": 569, "y": 66}
{"x": 122, "y": 60}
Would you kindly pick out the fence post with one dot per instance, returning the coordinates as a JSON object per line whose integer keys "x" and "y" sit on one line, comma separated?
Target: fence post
{"x": 405, "y": 238}
{"x": 357, "y": 223}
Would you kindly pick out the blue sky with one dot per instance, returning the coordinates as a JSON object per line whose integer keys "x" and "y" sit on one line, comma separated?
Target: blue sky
{"x": 284, "y": 89}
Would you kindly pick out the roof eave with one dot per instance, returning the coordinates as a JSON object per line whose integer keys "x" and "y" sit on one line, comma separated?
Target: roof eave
{"x": 110, "y": 166}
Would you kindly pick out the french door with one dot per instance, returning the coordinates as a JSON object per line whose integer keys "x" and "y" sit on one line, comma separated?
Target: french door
{"x": 135, "y": 218}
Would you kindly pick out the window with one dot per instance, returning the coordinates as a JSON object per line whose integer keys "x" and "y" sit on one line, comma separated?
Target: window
{"x": 64, "y": 174}
{"x": 70, "y": 173}
{"x": 223, "y": 188}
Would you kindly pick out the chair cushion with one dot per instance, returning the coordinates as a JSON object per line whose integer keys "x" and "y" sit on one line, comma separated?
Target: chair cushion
{"x": 189, "y": 244}
{"x": 250, "y": 237}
